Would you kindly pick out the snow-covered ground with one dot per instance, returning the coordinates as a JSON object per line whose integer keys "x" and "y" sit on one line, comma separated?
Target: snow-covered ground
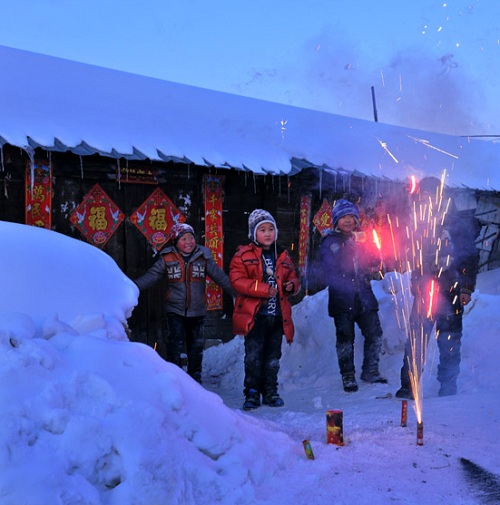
{"x": 89, "y": 418}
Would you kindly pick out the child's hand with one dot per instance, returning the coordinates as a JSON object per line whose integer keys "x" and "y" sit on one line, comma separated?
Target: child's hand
{"x": 288, "y": 287}
{"x": 272, "y": 291}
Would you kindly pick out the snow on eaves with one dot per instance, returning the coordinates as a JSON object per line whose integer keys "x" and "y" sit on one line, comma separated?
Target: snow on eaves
{"x": 61, "y": 105}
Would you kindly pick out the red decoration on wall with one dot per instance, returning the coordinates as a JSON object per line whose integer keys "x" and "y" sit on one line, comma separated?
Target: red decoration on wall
{"x": 214, "y": 234}
{"x": 323, "y": 218}
{"x": 39, "y": 194}
{"x": 97, "y": 217}
{"x": 155, "y": 217}
{"x": 305, "y": 215}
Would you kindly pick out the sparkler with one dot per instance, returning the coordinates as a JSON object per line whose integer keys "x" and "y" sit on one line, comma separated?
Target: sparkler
{"x": 431, "y": 299}
{"x": 378, "y": 245}
{"x": 376, "y": 240}
{"x": 413, "y": 184}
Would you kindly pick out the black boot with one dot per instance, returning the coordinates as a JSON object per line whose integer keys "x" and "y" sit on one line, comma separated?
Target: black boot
{"x": 349, "y": 383}
{"x": 252, "y": 400}
{"x": 373, "y": 377}
{"x": 404, "y": 392}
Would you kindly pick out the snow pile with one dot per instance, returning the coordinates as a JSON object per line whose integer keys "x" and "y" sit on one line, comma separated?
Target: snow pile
{"x": 92, "y": 419}
{"x": 63, "y": 281}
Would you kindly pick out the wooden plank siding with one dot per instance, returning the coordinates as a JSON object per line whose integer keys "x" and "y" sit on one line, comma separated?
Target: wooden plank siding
{"x": 74, "y": 176}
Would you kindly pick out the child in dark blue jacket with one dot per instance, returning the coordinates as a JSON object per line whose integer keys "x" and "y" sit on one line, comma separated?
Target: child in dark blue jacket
{"x": 349, "y": 263}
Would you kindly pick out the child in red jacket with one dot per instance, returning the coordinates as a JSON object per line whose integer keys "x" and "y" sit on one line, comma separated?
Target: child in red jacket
{"x": 263, "y": 276}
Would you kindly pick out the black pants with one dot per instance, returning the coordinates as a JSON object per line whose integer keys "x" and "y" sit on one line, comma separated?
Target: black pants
{"x": 186, "y": 331}
{"x": 263, "y": 354}
{"x": 369, "y": 324}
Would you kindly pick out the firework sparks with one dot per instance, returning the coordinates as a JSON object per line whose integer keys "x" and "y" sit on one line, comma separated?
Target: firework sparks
{"x": 419, "y": 245}
{"x": 386, "y": 149}
{"x": 430, "y": 146}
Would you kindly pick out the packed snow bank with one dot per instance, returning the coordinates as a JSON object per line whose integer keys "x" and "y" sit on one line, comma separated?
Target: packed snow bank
{"x": 90, "y": 421}
{"x": 63, "y": 280}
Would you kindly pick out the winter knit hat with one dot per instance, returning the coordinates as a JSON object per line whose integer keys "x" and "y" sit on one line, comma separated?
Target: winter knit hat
{"x": 256, "y": 218}
{"x": 344, "y": 208}
{"x": 178, "y": 230}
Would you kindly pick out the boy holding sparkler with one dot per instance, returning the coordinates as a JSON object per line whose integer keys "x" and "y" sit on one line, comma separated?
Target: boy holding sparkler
{"x": 349, "y": 264}
{"x": 444, "y": 266}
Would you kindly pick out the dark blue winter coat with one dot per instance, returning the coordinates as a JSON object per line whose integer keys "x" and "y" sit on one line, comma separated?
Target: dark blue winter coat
{"x": 348, "y": 263}
{"x": 450, "y": 257}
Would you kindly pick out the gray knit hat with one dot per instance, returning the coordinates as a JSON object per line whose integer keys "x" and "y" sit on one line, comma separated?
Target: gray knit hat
{"x": 256, "y": 218}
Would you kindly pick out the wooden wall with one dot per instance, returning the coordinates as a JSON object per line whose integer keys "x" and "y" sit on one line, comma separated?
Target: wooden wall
{"x": 74, "y": 176}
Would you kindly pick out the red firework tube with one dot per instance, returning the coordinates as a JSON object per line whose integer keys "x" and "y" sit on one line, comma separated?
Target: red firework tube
{"x": 404, "y": 413}
{"x": 334, "y": 427}
{"x": 308, "y": 449}
{"x": 420, "y": 433}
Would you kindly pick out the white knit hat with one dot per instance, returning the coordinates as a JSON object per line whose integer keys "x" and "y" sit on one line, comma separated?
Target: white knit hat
{"x": 256, "y": 218}
{"x": 178, "y": 230}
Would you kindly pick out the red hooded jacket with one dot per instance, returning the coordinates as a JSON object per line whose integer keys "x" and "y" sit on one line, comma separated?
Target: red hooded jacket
{"x": 246, "y": 274}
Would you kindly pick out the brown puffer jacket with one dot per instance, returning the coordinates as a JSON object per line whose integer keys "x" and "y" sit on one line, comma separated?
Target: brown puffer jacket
{"x": 186, "y": 281}
{"x": 246, "y": 273}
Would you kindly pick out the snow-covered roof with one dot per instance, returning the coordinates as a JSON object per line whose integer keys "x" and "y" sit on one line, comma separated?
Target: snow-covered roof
{"x": 62, "y": 105}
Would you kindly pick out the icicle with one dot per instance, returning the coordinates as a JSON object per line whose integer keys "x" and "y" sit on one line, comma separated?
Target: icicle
{"x": 272, "y": 182}
{"x": 1, "y": 158}
{"x": 6, "y": 180}
{"x": 320, "y": 182}
{"x": 189, "y": 170}
{"x": 81, "y": 166}
{"x": 254, "y": 184}
{"x": 31, "y": 153}
{"x": 119, "y": 172}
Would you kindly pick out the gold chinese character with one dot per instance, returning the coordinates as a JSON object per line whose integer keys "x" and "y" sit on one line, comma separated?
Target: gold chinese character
{"x": 213, "y": 243}
{"x": 38, "y": 192}
{"x": 324, "y": 219}
{"x": 97, "y": 219}
{"x": 35, "y": 210}
{"x": 157, "y": 219}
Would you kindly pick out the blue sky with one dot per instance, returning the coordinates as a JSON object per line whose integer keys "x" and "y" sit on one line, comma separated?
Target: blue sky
{"x": 433, "y": 65}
